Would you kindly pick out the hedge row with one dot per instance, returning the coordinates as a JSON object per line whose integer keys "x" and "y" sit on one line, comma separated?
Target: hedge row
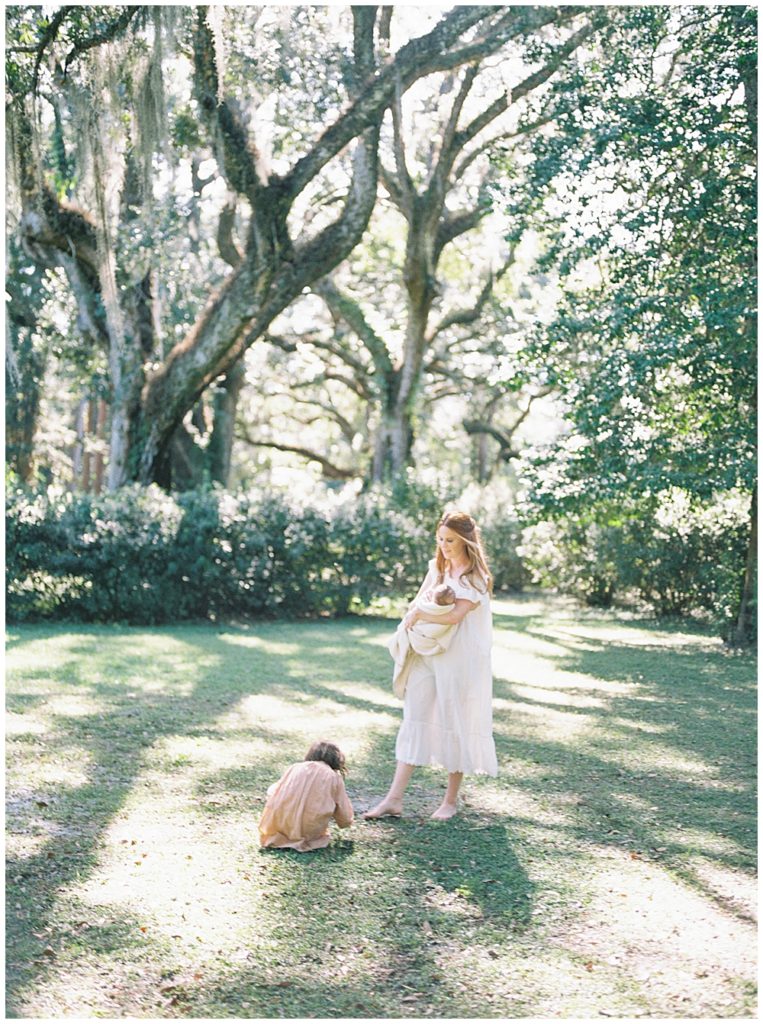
{"x": 142, "y": 556}
{"x": 675, "y": 560}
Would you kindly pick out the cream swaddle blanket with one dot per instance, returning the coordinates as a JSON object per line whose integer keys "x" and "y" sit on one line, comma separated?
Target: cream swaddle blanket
{"x": 425, "y": 638}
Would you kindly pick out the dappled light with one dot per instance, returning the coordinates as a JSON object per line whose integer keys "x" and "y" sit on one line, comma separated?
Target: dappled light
{"x": 612, "y": 853}
{"x": 302, "y": 303}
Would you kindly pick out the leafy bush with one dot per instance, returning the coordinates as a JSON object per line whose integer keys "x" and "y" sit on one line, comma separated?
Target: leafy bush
{"x": 675, "y": 557}
{"x": 144, "y": 556}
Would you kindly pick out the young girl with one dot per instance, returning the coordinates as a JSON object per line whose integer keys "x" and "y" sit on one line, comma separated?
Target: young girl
{"x": 308, "y": 794}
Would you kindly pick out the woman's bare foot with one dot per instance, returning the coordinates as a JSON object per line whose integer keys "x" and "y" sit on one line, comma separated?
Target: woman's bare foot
{"x": 386, "y": 809}
{"x": 445, "y": 811}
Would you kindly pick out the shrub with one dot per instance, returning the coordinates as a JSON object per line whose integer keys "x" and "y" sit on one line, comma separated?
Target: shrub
{"x": 143, "y": 556}
{"x": 675, "y": 557}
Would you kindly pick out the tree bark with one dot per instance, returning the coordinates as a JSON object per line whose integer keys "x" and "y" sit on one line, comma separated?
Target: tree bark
{"x": 24, "y": 370}
{"x": 225, "y": 402}
{"x": 743, "y": 629}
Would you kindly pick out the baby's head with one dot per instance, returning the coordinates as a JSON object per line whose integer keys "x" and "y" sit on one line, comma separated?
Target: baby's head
{"x": 443, "y": 595}
{"x": 329, "y": 753}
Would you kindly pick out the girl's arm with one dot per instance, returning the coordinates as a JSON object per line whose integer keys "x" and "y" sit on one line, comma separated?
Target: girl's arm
{"x": 461, "y": 608}
{"x": 343, "y": 812}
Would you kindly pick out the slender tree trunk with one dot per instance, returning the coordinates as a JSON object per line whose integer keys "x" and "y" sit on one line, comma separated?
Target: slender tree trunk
{"x": 221, "y": 443}
{"x": 87, "y": 456}
{"x": 127, "y": 378}
{"x": 743, "y": 630}
{"x": 482, "y": 469}
{"x": 101, "y": 435}
{"x": 24, "y": 372}
{"x": 78, "y": 448}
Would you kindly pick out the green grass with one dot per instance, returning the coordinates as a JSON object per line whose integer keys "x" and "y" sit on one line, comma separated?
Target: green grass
{"x": 608, "y": 870}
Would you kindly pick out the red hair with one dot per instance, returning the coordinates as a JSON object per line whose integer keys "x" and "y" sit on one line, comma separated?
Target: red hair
{"x": 477, "y": 573}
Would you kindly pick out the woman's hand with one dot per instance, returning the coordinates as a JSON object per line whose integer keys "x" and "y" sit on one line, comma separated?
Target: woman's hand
{"x": 411, "y": 619}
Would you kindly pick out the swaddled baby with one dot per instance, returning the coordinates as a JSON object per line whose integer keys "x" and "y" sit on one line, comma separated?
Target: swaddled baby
{"x": 442, "y": 596}
{"x": 426, "y": 638}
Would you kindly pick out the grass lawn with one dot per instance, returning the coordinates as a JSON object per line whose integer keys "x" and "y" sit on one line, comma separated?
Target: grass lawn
{"x": 608, "y": 870}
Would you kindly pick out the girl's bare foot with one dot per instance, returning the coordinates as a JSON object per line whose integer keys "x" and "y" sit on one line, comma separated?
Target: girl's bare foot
{"x": 445, "y": 811}
{"x": 386, "y": 809}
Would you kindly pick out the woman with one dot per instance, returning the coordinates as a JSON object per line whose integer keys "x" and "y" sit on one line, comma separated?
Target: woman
{"x": 447, "y": 714}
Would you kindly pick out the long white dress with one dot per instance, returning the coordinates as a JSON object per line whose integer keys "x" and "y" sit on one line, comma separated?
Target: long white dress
{"x": 448, "y": 713}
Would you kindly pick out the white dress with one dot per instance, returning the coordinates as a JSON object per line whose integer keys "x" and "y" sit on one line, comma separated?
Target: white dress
{"x": 448, "y": 713}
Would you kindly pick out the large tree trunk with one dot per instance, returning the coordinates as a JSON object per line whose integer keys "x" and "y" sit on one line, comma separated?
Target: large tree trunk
{"x": 393, "y": 444}
{"x": 394, "y": 441}
{"x": 274, "y": 269}
{"x": 743, "y": 629}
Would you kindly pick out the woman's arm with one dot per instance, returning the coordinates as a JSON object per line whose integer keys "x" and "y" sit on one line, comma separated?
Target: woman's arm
{"x": 461, "y": 608}
{"x": 428, "y": 582}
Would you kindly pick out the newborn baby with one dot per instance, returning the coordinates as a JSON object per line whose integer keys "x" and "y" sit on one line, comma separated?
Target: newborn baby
{"x": 442, "y": 596}
{"x": 425, "y": 638}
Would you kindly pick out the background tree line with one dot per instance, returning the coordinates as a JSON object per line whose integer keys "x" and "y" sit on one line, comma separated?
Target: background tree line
{"x": 505, "y": 256}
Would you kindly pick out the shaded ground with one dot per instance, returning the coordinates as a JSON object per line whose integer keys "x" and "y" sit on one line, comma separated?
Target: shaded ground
{"x": 607, "y": 871}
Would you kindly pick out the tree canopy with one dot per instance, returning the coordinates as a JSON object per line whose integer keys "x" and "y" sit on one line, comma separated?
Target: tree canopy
{"x": 107, "y": 105}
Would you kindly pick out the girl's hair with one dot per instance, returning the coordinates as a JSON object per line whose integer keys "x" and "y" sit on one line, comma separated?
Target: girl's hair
{"x": 477, "y": 572}
{"x": 329, "y": 753}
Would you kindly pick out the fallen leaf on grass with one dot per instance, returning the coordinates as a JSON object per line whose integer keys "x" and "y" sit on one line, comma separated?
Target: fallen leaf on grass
{"x": 49, "y": 951}
{"x": 588, "y": 967}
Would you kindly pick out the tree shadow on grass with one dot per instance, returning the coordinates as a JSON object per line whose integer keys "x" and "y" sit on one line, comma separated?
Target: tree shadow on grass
{"x": 365, "y": 925}
{"x": 419, "y": 886}
{"x": 73, "y": 819}
{"x": 663, "y": 765}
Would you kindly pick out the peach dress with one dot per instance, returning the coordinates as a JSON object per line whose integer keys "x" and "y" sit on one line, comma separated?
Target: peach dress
{"x": 448, "y": 709}
{"x": 300, "y": 805}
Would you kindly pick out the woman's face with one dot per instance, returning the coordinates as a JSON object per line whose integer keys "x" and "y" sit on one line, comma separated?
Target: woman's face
{"x": 451, "y": 544}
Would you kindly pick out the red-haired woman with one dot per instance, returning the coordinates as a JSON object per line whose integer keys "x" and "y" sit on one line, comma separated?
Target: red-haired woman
{"x": 447, "y": 714}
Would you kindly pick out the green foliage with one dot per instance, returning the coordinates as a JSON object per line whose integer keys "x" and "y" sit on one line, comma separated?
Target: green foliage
{"x": 502, "y": 537}
{"x": 143, "y": 556}
{"x": 653, "y": 347}
{"x": 675, "y": 558}
{"x": 645, "y": 195}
